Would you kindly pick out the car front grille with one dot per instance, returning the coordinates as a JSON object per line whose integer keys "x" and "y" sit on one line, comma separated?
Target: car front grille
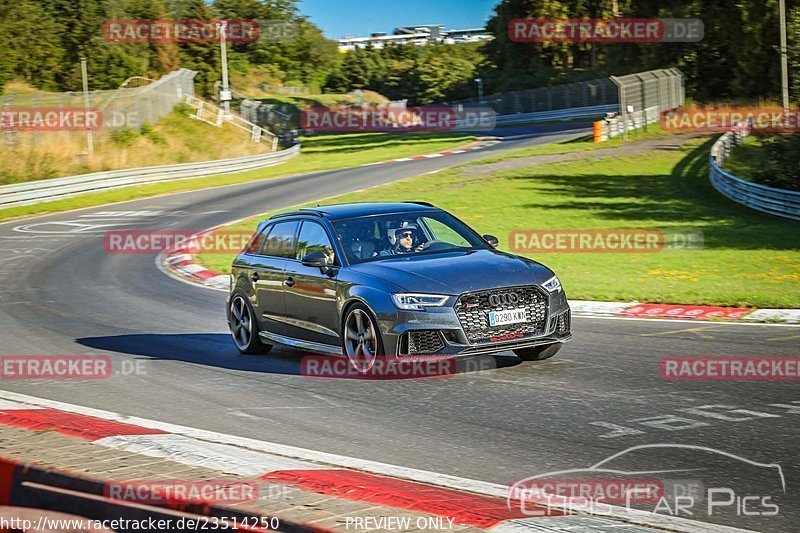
{"x": 473, "y": 310}
{"x": 562, "y": 327}
{"x": 420, "y": 342}
{"x": 424, "y": 341}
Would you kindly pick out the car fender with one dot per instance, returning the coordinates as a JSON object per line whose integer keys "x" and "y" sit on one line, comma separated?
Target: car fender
{"x": 378, "y": 301}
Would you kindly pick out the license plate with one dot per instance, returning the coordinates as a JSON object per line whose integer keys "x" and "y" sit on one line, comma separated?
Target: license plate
{"x": 508, "y": 316}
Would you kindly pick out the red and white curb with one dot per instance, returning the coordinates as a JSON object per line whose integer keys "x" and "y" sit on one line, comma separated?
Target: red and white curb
{"x": 468, "y": 502}
{"x": 181, "y": 263}
{"x": 683, "y": 312}
{"x": 443, "y": 153}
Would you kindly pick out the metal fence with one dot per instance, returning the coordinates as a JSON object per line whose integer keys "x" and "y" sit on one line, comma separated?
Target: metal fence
{"x": 120, "y": 108}
{"x": 638, "y": 99}
{"x": 279, "y": 118}
{"x": 617, "y": 124}
{"x": 655, "y": 88}
{"x": 770, "y": 200}
{"x": 634, "y": 94}
{"x": 284, "y": 89}
{"x": 572, "y": 113}
{"x": 582, "y": 94}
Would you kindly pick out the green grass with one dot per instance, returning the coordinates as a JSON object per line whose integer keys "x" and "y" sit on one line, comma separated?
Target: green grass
{"x": 319, "y": 152}
{"x": 748, "y": 259}
{"x": 747, "y": 160}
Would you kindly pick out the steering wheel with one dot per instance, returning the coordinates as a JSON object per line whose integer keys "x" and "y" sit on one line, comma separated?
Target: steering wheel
{"x": 432, "y": 243}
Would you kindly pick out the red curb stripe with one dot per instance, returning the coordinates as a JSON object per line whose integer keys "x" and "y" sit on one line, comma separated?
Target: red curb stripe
{"x": 696, "y": 312}
{"x": 8, "y": 468}
{"x": 205, "y": 274}
{"x": 85, "y": 427}
{"x": 466, "y": 508}
{"x": 182, "y": 263}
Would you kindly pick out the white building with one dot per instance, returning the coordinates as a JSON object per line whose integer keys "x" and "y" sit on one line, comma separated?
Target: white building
{"x": 416, "y": 35}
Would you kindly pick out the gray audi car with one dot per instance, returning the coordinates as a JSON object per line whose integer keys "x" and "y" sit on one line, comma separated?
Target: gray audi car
{"x": 390, "y": 279}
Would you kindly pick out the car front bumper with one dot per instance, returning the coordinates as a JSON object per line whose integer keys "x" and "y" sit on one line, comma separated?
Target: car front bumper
{"x": 415, "y": 332}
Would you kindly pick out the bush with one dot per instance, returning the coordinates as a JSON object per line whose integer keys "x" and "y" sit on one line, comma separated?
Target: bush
{"x": 183, "y": 108}
{"x": 124, "y": 137}
{"x": 782, "y": 158}
{"x": 148, "y": 131}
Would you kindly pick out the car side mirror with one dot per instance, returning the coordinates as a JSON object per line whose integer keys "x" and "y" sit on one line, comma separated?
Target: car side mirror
{"x": 491, "y": 239}
{"x": 316, "y": 259}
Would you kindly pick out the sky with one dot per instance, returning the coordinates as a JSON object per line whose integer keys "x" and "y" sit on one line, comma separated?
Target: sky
{"x": 362, "y": 17}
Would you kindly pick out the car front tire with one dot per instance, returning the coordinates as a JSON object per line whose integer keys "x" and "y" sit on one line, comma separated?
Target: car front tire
{"x": 244, "y": 326}
{"x": 538, "y": 353}
{"x": 361, "y": 337}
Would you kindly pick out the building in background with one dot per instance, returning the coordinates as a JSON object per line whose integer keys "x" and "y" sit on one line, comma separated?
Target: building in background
{"x": 417, "y": 35}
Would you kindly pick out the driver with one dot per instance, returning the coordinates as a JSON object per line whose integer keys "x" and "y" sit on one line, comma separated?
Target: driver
{"x": 407, "y": 239}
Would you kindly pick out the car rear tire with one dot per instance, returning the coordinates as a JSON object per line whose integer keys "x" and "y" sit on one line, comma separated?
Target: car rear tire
{"x": 244, "y": 327}
{"x": 538, "y": 353}
{"x": 361, "y": 337}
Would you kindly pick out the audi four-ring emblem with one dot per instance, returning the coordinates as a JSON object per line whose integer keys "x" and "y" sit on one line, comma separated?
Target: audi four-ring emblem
{"x": 506, "y": 298}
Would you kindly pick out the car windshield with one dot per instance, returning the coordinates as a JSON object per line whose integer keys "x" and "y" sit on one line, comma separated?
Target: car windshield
{"x": 372, "y": 238}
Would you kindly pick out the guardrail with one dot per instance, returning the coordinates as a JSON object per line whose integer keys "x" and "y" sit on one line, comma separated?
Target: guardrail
{"x": 32, "y": 192}
{"x": 770, "y": 200}
{"x": 557, "y": 114}
{"x": 621, "y": 124}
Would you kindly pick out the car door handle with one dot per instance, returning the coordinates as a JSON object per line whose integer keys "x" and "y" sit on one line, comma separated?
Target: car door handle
{"x": 289, "y": 282}
{"x": 254, "y": 276}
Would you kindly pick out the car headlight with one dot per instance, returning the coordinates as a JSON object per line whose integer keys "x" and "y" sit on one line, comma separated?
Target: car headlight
{"x": 418, "y": 302}
{"x": 553, "y": 284}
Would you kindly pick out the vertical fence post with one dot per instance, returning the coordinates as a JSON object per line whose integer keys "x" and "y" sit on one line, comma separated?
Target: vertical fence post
{"x": 623, "y": 108}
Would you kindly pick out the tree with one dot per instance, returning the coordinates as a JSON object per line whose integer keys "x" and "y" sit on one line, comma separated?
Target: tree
{"x": 737, "y": 58}
{"x": 204, "y": 57}
{"x": 30, "y": 44}
{"x": 793, "y": 40}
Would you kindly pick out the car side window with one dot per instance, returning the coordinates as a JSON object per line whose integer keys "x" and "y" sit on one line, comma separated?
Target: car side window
{"x": 280, "y": 242}
{"x": 257, "y": 242}
{"x": 314, "y": 238}
{"x": 442, "y": 232}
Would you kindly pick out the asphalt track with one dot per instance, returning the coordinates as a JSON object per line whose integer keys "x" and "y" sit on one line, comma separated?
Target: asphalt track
{"x": 60, "y": 293}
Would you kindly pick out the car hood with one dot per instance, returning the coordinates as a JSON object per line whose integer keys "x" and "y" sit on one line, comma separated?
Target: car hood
{"x": 456, "y": 272}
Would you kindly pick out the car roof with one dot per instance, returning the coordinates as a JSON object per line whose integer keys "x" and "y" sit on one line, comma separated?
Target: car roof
{"x": 342, "y": 211}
